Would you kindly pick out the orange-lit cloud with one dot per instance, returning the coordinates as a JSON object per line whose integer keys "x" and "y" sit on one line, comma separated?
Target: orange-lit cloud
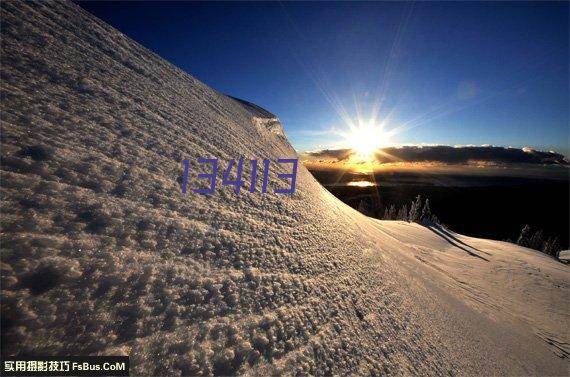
{"x": 437, "y": 155}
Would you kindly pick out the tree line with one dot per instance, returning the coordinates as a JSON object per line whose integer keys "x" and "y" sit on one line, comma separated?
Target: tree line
{"x": 420, "y": 211}
{"x": 536, "y": 239}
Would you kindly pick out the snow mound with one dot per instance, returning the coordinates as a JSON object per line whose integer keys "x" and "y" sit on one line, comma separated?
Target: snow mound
{"x": 102, "y": 254}
{"x": 564, "y": 256}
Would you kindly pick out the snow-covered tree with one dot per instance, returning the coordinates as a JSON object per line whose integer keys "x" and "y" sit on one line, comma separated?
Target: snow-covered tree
{"x": 412, "y": 212}
{"x": 363, "y": 207}
{"x": 525, "y": 236}
{"x": 415, "y": 210}
{"x": 537, "y": 240}
{"x": 403, "y": 213}
{"x": 426, "y": 211}
{"x": 390, "y": 213}
{"x": 434, "y": 219}
{"x": 551, "y": 246}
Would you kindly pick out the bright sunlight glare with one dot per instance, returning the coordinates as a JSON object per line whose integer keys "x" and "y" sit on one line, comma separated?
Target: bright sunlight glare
{"x": 361, "y": 184}
{"x": 365, "y": 138}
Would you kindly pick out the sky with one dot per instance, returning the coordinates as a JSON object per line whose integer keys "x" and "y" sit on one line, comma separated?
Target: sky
{"x": 445, "y": 73}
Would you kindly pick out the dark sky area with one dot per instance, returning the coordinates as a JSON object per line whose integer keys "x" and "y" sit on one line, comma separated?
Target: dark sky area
{"x": 440, "y": 72}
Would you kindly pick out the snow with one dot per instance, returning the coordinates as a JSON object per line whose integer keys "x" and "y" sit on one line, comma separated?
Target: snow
{"x": 103, "y": 255}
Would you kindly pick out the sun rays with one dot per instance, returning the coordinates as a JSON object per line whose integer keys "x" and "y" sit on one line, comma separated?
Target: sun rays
{"x": 365, "y": 138}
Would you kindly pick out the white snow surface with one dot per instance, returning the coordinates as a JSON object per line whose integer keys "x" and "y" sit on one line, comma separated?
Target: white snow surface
{"x": 103, "y": 255}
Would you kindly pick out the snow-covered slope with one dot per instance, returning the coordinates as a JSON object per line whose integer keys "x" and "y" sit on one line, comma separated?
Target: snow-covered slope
{"x": 103, "y": 254}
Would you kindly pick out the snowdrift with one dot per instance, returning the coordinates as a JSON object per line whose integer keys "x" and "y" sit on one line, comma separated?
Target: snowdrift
{"x": 103, "y": 255}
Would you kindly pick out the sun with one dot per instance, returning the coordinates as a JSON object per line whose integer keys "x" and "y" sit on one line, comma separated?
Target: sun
{"x": 365, "y": 138}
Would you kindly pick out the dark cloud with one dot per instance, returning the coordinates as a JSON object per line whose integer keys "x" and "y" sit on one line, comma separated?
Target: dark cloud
{"x": 464, "y": 155}
{"x": 453, "y": 155}
{"x": 330, "y": 154}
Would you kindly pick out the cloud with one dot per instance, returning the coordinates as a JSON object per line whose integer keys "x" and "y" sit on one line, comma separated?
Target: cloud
{"x": 467, "y": 154}
{"x": 329, "y": 155}
{"x": 450, "y": 155}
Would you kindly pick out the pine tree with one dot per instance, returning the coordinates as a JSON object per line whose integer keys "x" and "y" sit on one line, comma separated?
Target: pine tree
{"x": 403, "y": 214}
{"x": 537, "y": 240}
{"x": 551, "y": 246}
{"x": 546, "y": 245}
{"x": 362, "y": 207}
{"x": 426, "y": 211}
{"x": 524, "y": 237}
{"x": 415, "y": 211}
{"x": 390, "y": 213}
{"x": 412, "y": 211}
{"x": 434, "y": 219}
